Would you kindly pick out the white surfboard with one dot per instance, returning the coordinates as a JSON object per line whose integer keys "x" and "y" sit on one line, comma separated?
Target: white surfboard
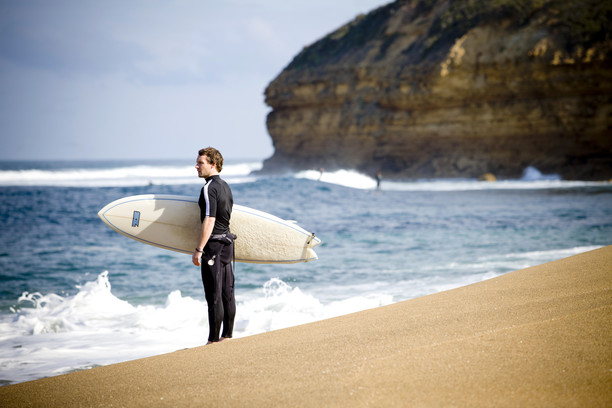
{"x": 173, "y": 222}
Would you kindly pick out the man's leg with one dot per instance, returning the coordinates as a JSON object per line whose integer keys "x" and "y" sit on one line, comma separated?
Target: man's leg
{"x": 213, "y": 280}
{"x": 229, "y": 301}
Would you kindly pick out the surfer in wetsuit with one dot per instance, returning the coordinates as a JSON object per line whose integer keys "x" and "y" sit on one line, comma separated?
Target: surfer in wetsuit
{"x": 215, "y": 248}
{"x": 378, "y": 179}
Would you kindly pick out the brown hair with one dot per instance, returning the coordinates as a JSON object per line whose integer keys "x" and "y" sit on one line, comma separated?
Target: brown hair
{"x": 214, "y": 157}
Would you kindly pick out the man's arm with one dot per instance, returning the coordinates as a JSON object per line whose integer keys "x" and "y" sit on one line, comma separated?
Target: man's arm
{"x": 207, "y": 228}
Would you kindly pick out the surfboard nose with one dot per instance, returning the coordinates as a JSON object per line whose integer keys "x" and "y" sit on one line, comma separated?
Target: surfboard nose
{"x": 102, "y": 214}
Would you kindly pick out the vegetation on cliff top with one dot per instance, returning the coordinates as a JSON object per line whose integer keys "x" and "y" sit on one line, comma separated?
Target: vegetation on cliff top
{"x": 580, "y": 23}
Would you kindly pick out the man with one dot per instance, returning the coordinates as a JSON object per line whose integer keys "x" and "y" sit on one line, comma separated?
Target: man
{"x": 215, "y": 248}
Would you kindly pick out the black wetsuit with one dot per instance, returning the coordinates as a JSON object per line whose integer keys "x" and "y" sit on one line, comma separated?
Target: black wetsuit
{"x": 217, "y": 275}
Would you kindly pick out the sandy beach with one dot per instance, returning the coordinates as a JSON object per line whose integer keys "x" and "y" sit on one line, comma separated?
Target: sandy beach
{"x": 541, "y": 336}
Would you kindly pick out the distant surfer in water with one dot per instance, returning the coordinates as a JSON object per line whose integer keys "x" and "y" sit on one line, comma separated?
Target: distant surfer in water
{"x": 215, "y": 248}
{"x": 378, "y": 179}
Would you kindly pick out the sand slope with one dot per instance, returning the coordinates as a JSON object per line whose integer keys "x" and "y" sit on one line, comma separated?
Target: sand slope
{"x": 541, "y": 336}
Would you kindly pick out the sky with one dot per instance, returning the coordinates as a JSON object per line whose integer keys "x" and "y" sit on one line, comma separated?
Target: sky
{"x": 149, "y": 79}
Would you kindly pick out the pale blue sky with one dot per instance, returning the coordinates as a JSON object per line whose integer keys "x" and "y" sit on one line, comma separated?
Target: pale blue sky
{"x": 149, "y": 79}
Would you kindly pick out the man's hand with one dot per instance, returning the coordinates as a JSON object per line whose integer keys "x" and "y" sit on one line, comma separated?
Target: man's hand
{"x": 196, "y": 258}
{"x": 205, "y": 232}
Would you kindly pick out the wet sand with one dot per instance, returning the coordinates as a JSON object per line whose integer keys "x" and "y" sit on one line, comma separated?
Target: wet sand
{"x": 541, "y": 336}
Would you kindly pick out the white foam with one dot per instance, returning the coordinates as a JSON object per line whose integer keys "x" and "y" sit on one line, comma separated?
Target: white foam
{"x": 532, "y": 174}
{"x": 143, "y": 175}
{"x": 347, "y": 178}
{"x": 140, "y": 175}
{"x": 489, "y": 266}
{"x": 50, "y": 334}
{"x": 532, "y": 179}
{"x": 538, "y": 257}
{"x": 472, "y": 185}
{"x": 284, "y": 306}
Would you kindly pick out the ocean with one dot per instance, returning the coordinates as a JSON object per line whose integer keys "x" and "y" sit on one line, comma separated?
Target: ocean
{"x": 75, "y": 295}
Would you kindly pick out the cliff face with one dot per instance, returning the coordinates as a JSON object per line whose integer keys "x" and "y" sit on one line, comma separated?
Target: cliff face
{"x": 452, "y": 89}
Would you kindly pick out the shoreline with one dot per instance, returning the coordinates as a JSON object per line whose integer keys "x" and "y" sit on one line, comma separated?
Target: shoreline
{"x": 535, "y": 337}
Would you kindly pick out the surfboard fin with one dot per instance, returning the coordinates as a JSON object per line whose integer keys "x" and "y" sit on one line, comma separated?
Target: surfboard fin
{"x": 310, "y": 254}
{"x": 310, "y": 240}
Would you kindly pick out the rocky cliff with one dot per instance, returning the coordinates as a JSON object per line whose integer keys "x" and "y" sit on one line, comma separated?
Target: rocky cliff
{"x": 426, "y": 88}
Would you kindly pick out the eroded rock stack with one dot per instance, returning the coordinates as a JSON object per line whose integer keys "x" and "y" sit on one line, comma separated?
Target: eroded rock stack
{"x": 425, "y": 89}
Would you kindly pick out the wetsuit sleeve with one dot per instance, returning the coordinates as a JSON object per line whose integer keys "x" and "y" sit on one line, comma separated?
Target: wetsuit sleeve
{"x": 212, "y": 205}
{"x": 208, "y": 201}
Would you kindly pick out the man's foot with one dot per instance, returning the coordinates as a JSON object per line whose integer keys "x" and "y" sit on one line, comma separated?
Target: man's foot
{"x": 220, "y": 340}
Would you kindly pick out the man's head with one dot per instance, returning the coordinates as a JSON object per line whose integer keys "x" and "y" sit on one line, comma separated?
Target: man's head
{"x": 210, "y": 162}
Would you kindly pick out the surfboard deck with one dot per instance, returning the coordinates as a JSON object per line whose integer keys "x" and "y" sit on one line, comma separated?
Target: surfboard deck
{"x": 173, "y": 222}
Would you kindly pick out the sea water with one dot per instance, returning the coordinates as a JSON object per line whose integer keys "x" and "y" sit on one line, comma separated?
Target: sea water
{"x": 74, "y": 294}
